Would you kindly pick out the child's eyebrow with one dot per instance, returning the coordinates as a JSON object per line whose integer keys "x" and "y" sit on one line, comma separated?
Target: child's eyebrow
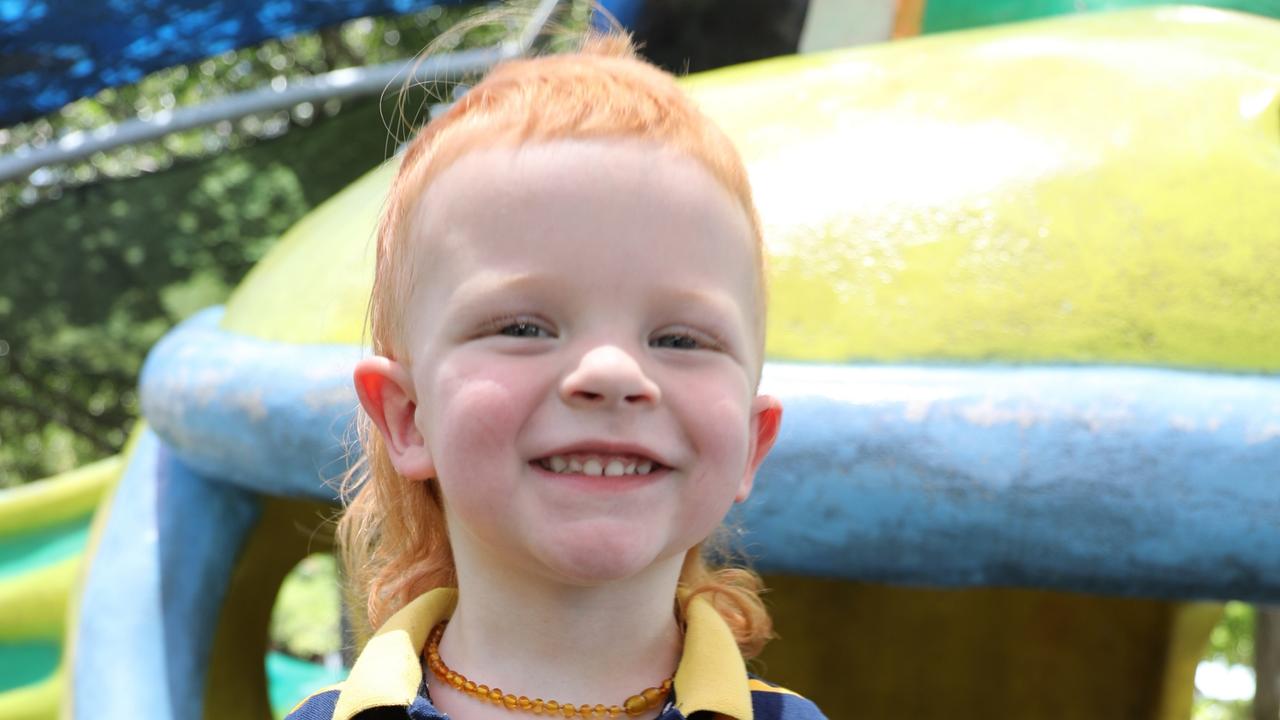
{"x": 493, "y": 282}
{"x": 720, "y": 303}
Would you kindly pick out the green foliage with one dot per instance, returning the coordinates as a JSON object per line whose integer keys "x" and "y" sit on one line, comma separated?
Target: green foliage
{"x": 306, "y": 621}
{"x": 1205, "y": 709}
{"x": 1231, "y": 642}
{"x": 1232, "y": 639}
{"x": 92, "y": 273}
{"x": 90, "y": 281}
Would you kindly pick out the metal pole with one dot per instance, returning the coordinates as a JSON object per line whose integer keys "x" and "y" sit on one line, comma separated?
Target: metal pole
{"x": 345, "y": 83}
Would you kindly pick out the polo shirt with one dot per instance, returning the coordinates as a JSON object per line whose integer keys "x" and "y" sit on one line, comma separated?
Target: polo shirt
{"x": 711, "y": 681}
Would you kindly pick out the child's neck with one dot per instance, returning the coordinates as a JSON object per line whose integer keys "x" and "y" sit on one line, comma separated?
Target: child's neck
{"x": 531, "y": 636}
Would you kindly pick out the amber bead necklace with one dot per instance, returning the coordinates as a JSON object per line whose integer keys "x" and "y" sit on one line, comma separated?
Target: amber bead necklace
{"x": 635, "y": 705}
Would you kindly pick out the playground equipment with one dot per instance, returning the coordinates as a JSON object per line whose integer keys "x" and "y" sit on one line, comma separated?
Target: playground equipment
{"x": 43, "y": 529}
{"x": 1023, "y": 322}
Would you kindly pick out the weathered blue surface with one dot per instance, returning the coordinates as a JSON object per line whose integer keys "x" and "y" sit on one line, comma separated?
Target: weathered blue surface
{"x": 1125, "y": 481}
{"x": 1134, "y": 481}
{"x": 55, "y": 51}
{"x": 273, "y": 418}
{"x": 155, "y": 588}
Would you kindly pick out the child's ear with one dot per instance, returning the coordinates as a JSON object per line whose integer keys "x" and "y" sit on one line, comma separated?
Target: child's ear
{"x": 386, "y": 394}
{"x": 766, "y": 418}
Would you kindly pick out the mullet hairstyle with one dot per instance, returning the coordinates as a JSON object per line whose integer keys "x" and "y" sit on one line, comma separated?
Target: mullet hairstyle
{"x": 393, "y": 534}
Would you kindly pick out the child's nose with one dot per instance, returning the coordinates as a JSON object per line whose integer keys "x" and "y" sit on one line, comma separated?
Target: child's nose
{"x": 607, "y": 375}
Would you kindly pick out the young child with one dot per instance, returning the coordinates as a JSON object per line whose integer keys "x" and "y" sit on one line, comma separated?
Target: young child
{"x": 568, "y": 321}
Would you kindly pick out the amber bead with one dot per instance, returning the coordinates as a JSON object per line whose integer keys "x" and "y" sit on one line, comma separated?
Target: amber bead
{"x": 615, "y": 711}
{"x": 524, "y": 703}
{"x": 635, "y": 705}
{"x": 509, "y": 701}
{"x": 652, "y": 696}
{"x": 568, "y": 710}
{"x": 601, "y": 711}
{"x": 470, "y": 687}
{"x": 552, "y": 706}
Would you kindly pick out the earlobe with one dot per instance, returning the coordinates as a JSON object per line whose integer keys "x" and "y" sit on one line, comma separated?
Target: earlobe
{"x": 766, "y": 419}
{"x": 386, "y": 393}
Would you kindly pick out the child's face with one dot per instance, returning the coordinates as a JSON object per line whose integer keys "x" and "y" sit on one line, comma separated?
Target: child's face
{"x": 583, "y": 308}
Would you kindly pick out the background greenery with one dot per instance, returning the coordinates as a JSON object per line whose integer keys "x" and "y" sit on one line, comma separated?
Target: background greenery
{"x": 1230, "y": 642}
{"x": 100, "y": 258}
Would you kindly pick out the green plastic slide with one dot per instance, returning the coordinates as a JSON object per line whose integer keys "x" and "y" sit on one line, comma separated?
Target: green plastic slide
{"x": 44, "y": 527}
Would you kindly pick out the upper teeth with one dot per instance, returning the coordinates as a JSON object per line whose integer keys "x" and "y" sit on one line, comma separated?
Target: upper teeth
{"x": 597, "y": 465}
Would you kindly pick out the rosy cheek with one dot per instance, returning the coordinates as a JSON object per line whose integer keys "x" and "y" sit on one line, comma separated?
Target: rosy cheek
{"x": 725, "y": 422}
{"x": 722, "y": 441}
{"x": 476, "y": 423}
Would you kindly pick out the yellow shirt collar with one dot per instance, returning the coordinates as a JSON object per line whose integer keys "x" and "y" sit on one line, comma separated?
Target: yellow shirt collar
{"x": 388, "y": 671}
{"x": 711, "y": 675}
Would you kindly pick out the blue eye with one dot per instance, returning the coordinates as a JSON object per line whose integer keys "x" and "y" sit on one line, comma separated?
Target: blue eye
{"x": 676, "y": 341}
{"x": 523, "y": 329}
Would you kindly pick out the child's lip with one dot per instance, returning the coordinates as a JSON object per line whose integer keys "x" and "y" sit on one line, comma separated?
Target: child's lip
{"x": 608, "y": 448}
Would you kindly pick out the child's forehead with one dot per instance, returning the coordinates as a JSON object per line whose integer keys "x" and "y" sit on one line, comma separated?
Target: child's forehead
{"x": 508, "y": 165}
{"x": 560, "y": 186}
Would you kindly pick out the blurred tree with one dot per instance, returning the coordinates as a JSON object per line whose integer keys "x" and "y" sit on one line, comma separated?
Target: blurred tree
{"x": 92, "y": 272}
{"x": 1231, "y": 641}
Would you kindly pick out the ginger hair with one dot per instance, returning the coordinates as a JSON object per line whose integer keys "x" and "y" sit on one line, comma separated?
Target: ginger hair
{"x": 393, "y": 533}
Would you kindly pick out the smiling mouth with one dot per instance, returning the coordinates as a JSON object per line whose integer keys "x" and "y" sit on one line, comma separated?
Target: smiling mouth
{"x": 597, "y": 465}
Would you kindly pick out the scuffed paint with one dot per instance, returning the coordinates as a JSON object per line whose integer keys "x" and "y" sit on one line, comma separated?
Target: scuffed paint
{"x": 1269, "y": 432}
{"x": 1099, "y": 494}
{"x": 272, "y": 417}
{"x": 987, "y": 413}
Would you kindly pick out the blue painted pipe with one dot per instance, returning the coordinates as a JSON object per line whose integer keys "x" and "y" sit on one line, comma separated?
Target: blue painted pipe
{"x": 152, "y": 596}
{"x": 1116, "y": 480}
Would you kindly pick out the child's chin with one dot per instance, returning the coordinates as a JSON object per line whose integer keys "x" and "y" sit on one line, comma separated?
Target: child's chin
{"x": 599, "y": 562}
